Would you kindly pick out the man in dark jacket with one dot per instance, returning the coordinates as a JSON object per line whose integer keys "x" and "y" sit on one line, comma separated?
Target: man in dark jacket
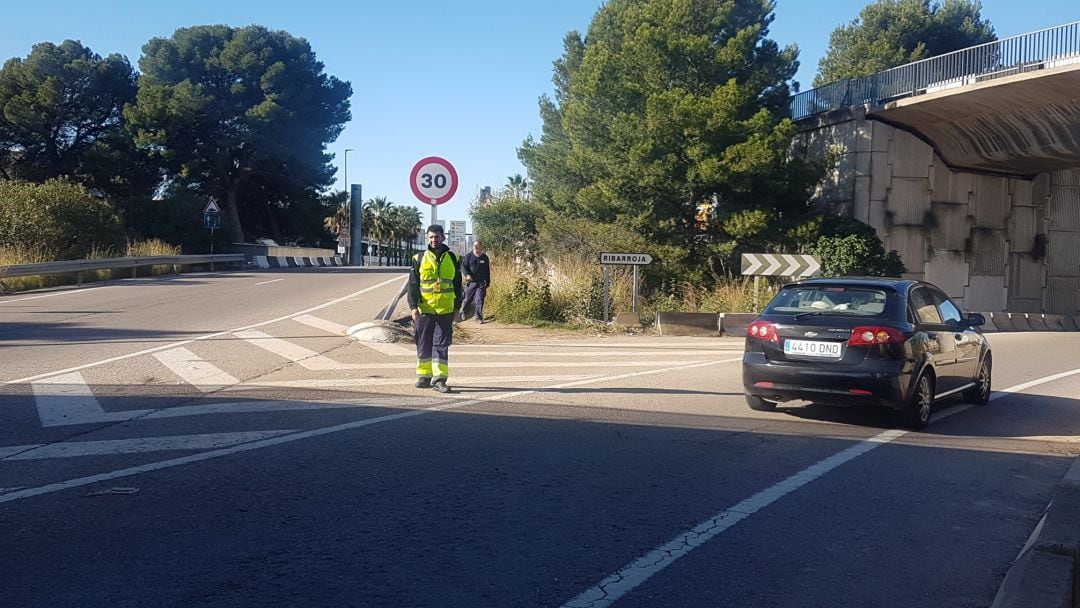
{"x": 476, "y": 270}
{"x": 434, "y": 292}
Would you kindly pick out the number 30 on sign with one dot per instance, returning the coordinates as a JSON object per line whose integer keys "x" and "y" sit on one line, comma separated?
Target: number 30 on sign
{"x": 433, "y": 180}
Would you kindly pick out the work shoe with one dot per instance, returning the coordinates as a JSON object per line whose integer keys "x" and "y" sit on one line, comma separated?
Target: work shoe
{"x": 440, "y": 386}
{"x": 423, "y": 383}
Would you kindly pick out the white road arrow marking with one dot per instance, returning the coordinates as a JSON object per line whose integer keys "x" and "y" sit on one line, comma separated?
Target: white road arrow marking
{"x": 71, "y": 449}
{"x": 201, "y": 374}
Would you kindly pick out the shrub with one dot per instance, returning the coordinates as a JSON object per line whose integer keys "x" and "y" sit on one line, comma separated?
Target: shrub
{"x": 857, "y": 255}
{"x": 61, "y": 217}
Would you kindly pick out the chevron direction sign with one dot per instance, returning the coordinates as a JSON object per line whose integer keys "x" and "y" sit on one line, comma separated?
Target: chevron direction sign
{"x": 780, "y": 265}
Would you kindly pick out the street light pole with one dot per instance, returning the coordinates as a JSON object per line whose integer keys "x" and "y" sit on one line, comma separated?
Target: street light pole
{"x": 348, "y": 215}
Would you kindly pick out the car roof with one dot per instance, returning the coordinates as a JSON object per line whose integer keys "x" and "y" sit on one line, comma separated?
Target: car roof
{"x": 893, "y": 283}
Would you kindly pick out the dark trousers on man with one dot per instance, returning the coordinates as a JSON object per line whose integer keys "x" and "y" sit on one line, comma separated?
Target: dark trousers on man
{"x": 475, "y": 294}
{"x": 433, "y": 336}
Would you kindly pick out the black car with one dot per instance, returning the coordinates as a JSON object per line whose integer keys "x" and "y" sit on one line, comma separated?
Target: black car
{"x": 897, "y": 343}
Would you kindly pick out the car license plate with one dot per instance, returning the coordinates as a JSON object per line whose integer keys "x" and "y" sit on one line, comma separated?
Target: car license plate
{"x": 810, "y": 348}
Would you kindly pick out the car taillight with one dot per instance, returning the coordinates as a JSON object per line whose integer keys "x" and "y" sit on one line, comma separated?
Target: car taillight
{"x": 867, "y": 335}
{"x": 763, "y": 330}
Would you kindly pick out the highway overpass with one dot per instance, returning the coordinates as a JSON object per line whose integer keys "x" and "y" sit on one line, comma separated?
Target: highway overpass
{"x": 967, "y": 164}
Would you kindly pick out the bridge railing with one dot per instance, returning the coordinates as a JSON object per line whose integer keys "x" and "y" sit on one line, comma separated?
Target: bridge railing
{"x": 1048, "y": 48}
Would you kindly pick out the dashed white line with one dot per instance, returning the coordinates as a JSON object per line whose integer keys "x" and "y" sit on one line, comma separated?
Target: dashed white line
{"x": 268, "y": 282}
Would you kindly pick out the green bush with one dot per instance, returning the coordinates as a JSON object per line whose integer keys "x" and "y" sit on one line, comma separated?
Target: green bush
{"x": 857, "y": 255}
{"x": 61, "y": 217}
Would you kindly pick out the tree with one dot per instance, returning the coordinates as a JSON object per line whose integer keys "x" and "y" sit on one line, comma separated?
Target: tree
{"x": 888, "y": 33}
{"x": 61, "y": 114}
{"x": 379, "y": 222}
{"x": 517, "y": 186}
{"x": 665, "y": 106}
{"x": 226, "y": 108}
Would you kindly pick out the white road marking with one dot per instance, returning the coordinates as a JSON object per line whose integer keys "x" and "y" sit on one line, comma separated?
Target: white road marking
{"x": 52, "y": 295}
{"x": 540, "y": 352}
{"x": 197, "y": 339}
{"x": 72, "y": 449}
{"x": 268, "y": 282}
{"x": 351, "y": 382}
{"x": 219, "y": 453}
{"x": 455, "y": 364}
{"x": 327, "y": 326}
{"x": 391, "y": 349}
{"x": 634, "y": 574}
{"x": 305, "y": 357}
{"x": 66, "y": 400}
{"x": 197, "y": 372}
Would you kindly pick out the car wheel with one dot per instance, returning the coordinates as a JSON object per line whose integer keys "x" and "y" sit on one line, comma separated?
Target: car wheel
{"x": 916, "y": 414}
{"x": 980, "y": 393}
{"x": 759, "y": 404}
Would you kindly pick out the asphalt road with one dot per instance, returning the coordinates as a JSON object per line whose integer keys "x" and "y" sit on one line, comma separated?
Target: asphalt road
{"x": 214, "y": 440}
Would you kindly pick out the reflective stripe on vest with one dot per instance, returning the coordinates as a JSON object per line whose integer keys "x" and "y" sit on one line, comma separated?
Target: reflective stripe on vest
{"x": 436, "y": 283}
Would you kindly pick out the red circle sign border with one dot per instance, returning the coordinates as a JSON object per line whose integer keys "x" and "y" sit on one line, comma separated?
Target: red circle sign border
{"x": 438, "y": 161}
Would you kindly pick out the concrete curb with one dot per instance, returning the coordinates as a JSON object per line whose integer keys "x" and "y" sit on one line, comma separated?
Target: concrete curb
{"x": 1046, "y": 572}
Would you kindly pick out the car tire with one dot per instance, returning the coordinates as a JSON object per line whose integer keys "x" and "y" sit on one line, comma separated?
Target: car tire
{"x": 758, "y": 404}
{"x": 980, "y": 393}
{"x": 916, "y": 412}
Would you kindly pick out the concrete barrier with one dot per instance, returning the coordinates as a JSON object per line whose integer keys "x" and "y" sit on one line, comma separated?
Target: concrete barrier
{"x": 735, "y": 323}
{"x": 1002, "y": 321}
{"x": 1019, "y": 321}
{"x": 989, "y": 327}
{"x": 688, "y": 323}
{"x": 628, "y": 319}
{"x": 1036, "y": 322}
{"x": 1071, "y": 323}
{"x": 1054, "y": 322}
{"x": 1045, "y": 574}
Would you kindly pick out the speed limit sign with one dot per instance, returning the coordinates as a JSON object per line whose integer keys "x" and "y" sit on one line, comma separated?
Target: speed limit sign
{"x": 434, "y": 180}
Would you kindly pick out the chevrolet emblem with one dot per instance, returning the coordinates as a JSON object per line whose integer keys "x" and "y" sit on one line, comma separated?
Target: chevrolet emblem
{"x": 811, "y": 334}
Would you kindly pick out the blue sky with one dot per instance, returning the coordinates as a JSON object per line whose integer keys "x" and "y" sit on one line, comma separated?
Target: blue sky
{"x": 455, "y": 79}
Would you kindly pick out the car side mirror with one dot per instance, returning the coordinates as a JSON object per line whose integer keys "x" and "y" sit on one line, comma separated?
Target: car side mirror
{"x": 975, "y": 319}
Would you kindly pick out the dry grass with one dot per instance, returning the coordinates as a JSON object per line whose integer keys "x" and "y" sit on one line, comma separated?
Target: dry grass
{"x": 10, "y": 256}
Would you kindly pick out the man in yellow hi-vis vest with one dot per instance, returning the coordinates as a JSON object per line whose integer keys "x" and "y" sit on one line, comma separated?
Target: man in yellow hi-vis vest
{"x": 434, "y": 294}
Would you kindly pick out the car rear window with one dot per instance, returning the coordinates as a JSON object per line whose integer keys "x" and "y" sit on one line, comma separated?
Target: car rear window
{"x": 841, "y": 300}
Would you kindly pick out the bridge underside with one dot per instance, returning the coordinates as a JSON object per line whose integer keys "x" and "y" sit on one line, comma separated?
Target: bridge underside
{"x": 1018, "y": 125}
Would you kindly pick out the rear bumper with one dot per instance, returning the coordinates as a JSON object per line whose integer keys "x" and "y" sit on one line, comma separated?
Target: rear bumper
{"x": 877, "y": 383}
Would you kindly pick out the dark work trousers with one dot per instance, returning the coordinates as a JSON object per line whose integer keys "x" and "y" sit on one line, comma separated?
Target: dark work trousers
{"x": 475, "y": 293}
{"x": 433, "y": 336}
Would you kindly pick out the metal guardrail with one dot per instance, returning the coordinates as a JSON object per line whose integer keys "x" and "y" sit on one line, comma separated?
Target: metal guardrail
{"x": 1043, "y": 49}
{"x": 77, "y": 267}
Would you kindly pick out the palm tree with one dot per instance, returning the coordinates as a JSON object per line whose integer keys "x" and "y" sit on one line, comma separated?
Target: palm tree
{"x": 380, "y": 221}
{"x": 517, "y": 186}
{"x": 409, "y": 224}
{"x": 337, "y": 223}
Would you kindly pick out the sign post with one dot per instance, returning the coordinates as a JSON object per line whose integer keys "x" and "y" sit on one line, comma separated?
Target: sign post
{"x": 434, "y": 181}
{"x": 622, "y": 259}
{"x": 211, "y": 221}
